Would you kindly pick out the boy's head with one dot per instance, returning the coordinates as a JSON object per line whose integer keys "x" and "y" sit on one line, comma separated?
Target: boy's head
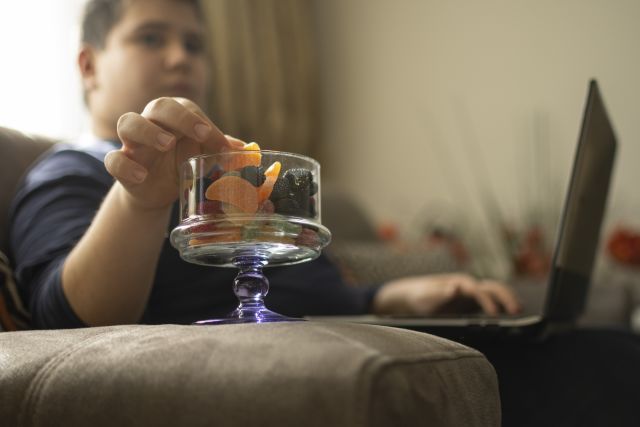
{"x": 136, "y": 50}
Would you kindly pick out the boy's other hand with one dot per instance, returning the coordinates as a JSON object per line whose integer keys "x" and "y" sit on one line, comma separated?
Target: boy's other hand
{"x": 444, "y": 293}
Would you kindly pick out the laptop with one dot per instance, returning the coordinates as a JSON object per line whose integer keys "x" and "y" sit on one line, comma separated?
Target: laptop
{"x": 574, "y": 252}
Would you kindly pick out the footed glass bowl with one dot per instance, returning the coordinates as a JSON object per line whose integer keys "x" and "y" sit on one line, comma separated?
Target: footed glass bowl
{"x": 250, "y": 209}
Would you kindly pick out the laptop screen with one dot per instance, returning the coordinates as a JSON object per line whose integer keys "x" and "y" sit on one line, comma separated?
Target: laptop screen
{"x": 583, "y": 212}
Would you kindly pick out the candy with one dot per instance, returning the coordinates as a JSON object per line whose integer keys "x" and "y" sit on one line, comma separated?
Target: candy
{"x": 249, "y": 155}
{"x": 271, "y": 177}
{"x": 235, "y": 191}
{"x": 240, "y": 187}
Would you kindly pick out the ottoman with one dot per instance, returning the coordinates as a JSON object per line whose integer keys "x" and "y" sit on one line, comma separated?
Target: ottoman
{"x": 281, "y": 374}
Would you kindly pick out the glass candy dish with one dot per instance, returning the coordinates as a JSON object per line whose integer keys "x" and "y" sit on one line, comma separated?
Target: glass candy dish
{"x": 248, "y": 210}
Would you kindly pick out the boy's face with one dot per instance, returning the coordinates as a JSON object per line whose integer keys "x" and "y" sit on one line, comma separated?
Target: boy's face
{"x": 156, "y": 49}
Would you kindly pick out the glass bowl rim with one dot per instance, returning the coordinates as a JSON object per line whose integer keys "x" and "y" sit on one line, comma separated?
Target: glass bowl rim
{"x": 272, "y": 152}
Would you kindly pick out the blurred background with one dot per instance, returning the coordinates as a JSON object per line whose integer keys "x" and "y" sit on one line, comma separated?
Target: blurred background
{"x": 455, "y": 119}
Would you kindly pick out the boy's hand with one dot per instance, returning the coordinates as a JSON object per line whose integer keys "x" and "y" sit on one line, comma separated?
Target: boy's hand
{"x": 155, "y": 144}
{"x": 444, "y": 293}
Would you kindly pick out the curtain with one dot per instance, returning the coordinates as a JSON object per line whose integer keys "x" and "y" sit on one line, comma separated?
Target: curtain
{"x": 264, "y": 78}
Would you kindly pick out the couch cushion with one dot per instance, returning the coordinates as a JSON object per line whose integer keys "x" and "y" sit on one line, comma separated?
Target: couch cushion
{"x": 17, "y": 152}
{"x": 297, "y": 373}
{"x": 365, "y": 263}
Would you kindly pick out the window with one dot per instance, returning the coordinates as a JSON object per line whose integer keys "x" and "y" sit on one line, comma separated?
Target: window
{"x": 40, "y": 90}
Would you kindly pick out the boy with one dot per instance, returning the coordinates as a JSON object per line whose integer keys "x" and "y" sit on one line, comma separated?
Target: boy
{"x": 78, "y": 267}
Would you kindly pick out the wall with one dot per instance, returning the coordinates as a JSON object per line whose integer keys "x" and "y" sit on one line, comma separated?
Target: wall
{"x": 430, "y": 107}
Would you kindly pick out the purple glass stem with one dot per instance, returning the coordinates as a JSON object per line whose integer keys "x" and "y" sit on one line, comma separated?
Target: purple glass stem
{"x": 251, "y": 285}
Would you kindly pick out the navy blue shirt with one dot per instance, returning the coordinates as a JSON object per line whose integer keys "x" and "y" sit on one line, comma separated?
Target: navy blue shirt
{"x": 56, "y": 204}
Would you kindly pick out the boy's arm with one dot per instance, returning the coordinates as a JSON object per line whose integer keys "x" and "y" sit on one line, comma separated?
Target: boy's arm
{"x": 107, "y": 277}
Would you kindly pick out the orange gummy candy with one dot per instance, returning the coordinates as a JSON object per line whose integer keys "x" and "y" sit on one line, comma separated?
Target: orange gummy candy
{"x": 271, "y": 174}
{"x": 232, "y": 235}
{"x": 235, "y": 191}
{"x": 238, "y": 160}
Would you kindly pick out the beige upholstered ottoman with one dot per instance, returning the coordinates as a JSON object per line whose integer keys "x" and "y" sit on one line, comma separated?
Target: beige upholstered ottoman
{"x": 284, "y": 374}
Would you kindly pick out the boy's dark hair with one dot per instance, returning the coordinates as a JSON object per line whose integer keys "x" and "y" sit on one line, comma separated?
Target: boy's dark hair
{"x": 100, "y": 16}
{"x": 97, "y": 20}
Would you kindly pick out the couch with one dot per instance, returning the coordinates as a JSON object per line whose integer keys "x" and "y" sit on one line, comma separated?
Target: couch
{"x": 294, "y": 373}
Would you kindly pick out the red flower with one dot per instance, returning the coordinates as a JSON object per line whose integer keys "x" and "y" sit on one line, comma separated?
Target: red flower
{"x": 623, "y": 246}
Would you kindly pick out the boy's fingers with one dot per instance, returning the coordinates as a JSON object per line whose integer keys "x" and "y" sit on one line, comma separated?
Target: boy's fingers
{"x": 471, "y": 289}
{"x": 216, "y": 141}
{"x": 182, "y": 117}
{"x": 503, "y": 295}
{"x": 133, "y": 128}
{"x": 235, "y": 143}
{"x": 485, "y": 301}
{"x": 123, "y": 168}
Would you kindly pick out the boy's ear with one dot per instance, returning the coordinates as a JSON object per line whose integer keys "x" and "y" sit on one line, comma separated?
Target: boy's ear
{"x": 87, "y": 66}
